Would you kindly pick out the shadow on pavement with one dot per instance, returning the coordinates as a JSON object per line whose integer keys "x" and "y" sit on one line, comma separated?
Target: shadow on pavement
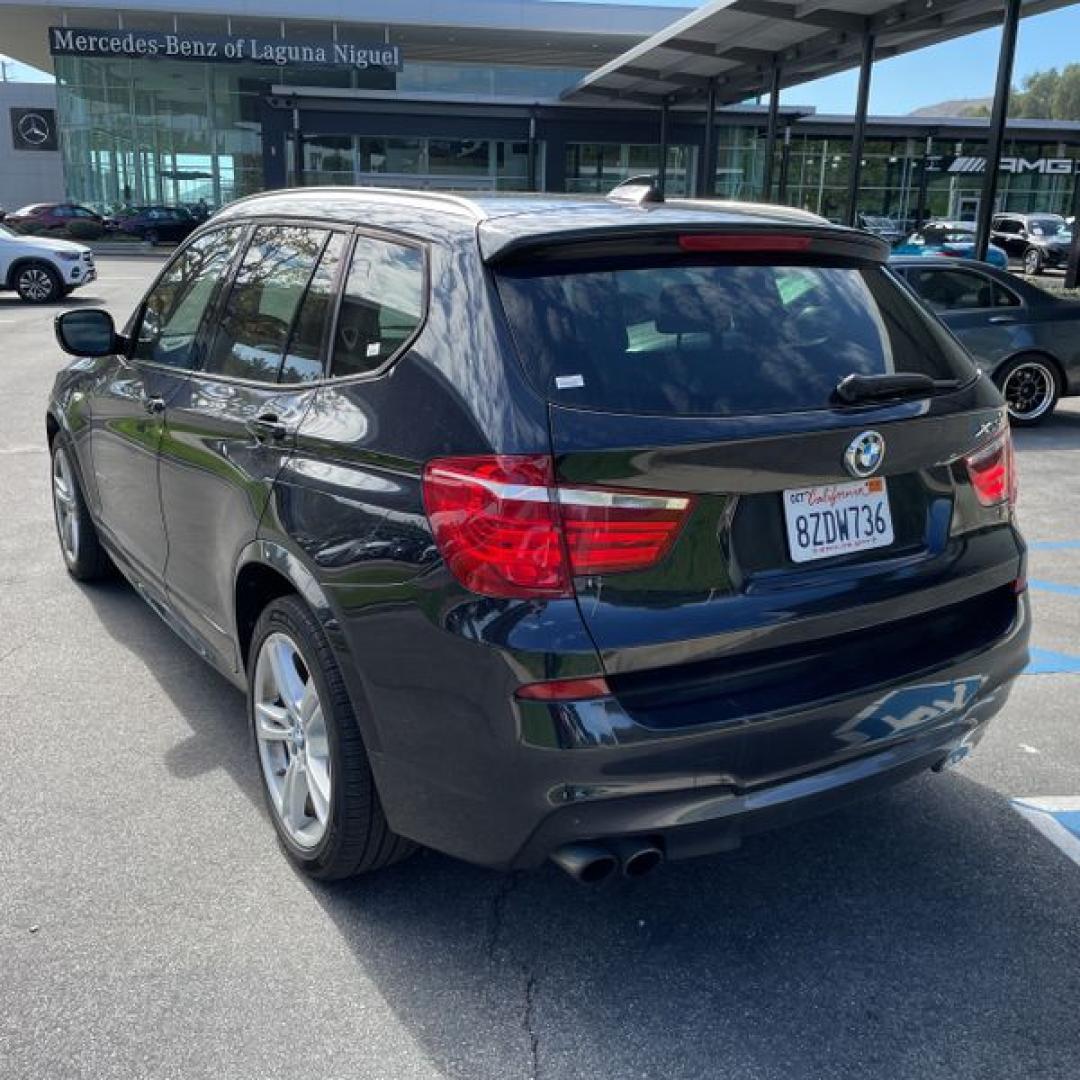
{"x": 928, "y": 932}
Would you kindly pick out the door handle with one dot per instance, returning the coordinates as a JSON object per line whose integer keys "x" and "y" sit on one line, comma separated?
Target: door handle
{"x": 267, "y": 427}
{"x": 1001, "y": 319}
{"x": 154, "y": 405}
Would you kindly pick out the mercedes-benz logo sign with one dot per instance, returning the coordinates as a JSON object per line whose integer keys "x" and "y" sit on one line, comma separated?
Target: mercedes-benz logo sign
{"x": 33, "y": 129}
{"x": 864, "y": 454}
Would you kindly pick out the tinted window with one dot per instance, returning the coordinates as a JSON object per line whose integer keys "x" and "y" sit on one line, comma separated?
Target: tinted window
{"x": 175, "y": 307}
{"x": 957, "y": 290}
{"x": 264, "y": 300}
{"x": 382, "y": 305}
{"x": 306, "y": 351}
{"x": 1009, "y": 225}
{"x": 1047, "y": 226}
{"x": 714, "y": 338}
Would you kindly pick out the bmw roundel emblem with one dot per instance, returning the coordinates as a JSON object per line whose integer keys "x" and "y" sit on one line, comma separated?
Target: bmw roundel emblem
{"x": 864, "y": 454}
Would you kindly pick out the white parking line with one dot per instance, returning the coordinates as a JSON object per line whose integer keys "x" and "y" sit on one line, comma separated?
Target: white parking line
{"x": 1042, "y": 814}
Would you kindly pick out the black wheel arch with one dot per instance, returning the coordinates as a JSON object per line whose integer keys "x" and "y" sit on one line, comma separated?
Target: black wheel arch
{"x": 267, "y": 569}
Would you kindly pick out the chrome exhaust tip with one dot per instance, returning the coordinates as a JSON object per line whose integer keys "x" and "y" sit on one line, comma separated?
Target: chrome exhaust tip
{"x": 588, "y": 864}
{"x": 637, "y": 857}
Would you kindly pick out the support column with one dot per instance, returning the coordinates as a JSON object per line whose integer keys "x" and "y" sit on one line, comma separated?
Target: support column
{"x": 770, "y": 133}
{"x": 708, "y": 150}
{"x": 996, "y": 135}
{"x": 785, "y": 165}
{"x": 530, "y": 162}
{"x": 858, "y": 137}
{"x": 924, "y": 180}
{"x": 298, "y": 150}
{"x": 1072, "y": 270}
{"x": 661, "y": 169}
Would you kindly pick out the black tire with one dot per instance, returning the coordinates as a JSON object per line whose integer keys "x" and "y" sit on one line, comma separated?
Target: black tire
{"x": 1033, "y": 261}
{"x": 37, "y": 282}
{"x": 151, "y": 237}
{"x": 1031, "y": 386}
{"x": 357, "y": 838}
{"x": 82, "y": 551}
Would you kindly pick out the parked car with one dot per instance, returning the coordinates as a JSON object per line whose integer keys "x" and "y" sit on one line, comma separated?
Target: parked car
{"x": 541, "y": 529}
{"x": 882, "y": 226}
{"x": 1024, "y": 338}
{"x": 955, "y": 239}
{"x": 41, "y": 269}
{"x": 153, "y": 223}
{"x": 51, "y": 217}
{"x": 1040, "y": 241}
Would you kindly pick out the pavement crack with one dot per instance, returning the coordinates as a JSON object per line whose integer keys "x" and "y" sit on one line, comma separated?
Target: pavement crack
{"x": 497, "y": 916}
{"x": 528, "y": 1022}
{"x": 496, "y": 926}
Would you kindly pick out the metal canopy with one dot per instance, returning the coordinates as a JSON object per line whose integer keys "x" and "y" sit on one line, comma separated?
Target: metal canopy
{"x": 735, "y": 45}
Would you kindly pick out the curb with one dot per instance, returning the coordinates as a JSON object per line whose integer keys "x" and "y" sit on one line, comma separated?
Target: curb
{"x": 138, "y": 251}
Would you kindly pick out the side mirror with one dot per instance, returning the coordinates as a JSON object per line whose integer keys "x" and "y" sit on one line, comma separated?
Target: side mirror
{"x": 87, "y": 333}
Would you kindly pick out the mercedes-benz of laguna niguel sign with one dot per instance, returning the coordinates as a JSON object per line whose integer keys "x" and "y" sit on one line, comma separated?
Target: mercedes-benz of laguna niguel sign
{"x": 153, "y": 44}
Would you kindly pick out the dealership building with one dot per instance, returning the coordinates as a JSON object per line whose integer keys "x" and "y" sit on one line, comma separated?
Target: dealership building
{"x": 180, "y": 102}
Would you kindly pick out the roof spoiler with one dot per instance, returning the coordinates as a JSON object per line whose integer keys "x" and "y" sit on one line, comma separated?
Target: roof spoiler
{"x": 646, "y": 237}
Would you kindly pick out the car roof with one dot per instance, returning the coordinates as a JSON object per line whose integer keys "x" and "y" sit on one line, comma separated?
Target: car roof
{"x": 506, "y": 221}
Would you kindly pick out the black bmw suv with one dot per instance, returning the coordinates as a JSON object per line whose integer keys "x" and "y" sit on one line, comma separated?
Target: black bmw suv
{"x": 604, "y": 531}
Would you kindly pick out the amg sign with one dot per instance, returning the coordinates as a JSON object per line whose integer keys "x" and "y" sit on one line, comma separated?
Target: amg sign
{"x": 1015, "y": 165}
{"x": 155, "y": 45}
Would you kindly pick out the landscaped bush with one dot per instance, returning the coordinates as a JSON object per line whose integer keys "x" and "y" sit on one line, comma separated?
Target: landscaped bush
{"x": 84, "y": 230}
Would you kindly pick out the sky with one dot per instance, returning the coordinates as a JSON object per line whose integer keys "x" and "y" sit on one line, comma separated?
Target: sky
{"x": 963, "y": 68}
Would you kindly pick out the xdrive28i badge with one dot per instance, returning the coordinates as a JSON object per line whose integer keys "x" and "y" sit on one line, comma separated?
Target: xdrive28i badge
{"x": 864, "y": 454}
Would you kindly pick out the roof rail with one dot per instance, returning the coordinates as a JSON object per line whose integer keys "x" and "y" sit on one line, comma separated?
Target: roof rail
{"x": 421, "y": 194}
{"x": 637, "y": 190}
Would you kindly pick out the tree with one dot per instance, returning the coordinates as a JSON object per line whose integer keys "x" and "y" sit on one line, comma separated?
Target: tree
{"x": 1049, "y": 95}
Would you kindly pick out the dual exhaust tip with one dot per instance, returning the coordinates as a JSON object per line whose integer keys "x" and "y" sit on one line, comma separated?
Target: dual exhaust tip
{"x": 591, "y": 864}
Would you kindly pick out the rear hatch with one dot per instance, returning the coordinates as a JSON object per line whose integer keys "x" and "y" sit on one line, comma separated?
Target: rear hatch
{"x": 828, "y": 542}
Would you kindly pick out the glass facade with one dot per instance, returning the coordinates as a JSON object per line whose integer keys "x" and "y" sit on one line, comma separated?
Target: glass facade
{"x": 140, "y": 131}
{"x": 595, "y": 168}
{"x": 457, "y": 164}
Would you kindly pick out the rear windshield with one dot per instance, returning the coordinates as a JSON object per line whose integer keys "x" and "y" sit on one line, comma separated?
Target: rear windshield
{"x": 717, "y": 339}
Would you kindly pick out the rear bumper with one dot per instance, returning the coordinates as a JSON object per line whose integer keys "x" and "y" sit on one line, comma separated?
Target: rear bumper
{"x": 511, "y": 803}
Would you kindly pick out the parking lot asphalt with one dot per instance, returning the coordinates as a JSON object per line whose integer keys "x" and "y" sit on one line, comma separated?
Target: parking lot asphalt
{"x": 150, "y": 927}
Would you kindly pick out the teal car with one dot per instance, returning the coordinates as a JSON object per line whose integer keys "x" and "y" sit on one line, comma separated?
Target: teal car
{"x": 953, "y": 238}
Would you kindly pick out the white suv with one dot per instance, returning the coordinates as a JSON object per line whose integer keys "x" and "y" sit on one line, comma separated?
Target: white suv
{"x": 40, "y": 270}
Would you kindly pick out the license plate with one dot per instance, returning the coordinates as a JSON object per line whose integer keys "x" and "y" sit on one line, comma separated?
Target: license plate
{"x": 837, "y": 519}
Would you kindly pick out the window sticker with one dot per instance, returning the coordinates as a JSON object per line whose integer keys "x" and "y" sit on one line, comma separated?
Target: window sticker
{"x": 569, "y": 382}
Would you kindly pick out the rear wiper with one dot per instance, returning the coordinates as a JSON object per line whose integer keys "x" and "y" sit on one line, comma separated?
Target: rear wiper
{"x": 853, "y": 389}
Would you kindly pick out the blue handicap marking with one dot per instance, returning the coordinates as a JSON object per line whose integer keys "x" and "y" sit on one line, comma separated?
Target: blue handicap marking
{"x": 1054, "y": 545}
{"x": 1056, "y": 817}
{"x": 1049, "y": 662}
{"x": 1070, "y": 819}
{"x": 1053, "y": 586}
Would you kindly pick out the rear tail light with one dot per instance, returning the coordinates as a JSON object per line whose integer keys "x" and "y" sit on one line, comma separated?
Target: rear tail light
{"x": 505, "y": 528}
{"x": 992, "y": 471}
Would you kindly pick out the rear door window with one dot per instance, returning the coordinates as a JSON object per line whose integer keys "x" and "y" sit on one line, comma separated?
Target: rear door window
{"x": 716, "y": 338}
{"x": 959, "y": 290}
{"x": 263, "y": 303}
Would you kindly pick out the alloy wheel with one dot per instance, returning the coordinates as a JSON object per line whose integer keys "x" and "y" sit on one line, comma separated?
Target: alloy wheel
{"x": 65, "y": 505}
{"x": 1032, "y": 263}
{"x": 294, "y": 748}
{"x": 1029, "y": 390}
{"x": 35, "y": 284}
